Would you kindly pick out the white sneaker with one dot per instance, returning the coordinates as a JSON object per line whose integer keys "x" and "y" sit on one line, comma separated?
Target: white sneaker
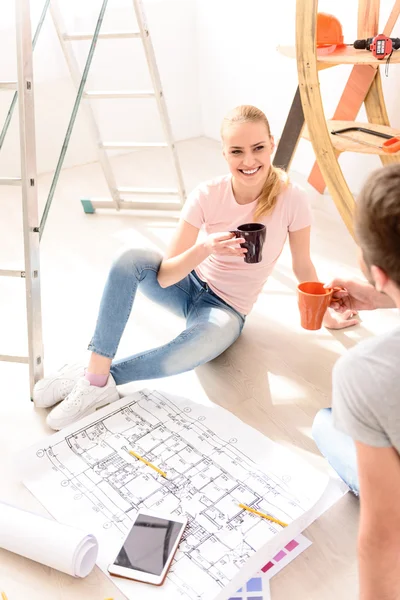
{"x": 50, "y": 390}
{"x": 82, "y": 401}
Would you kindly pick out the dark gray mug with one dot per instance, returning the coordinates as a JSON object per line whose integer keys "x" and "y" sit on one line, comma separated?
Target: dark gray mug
{"x": 254, "y": 234}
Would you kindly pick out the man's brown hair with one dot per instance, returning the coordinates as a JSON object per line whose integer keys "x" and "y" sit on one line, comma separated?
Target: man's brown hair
{"x": 377, "y": 221}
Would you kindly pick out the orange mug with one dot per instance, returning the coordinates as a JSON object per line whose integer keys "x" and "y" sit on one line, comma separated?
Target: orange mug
{"x": 313, "y": 300}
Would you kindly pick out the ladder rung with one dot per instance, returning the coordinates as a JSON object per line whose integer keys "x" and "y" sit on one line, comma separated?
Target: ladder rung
{"x": 96, "y": 95}
{"x": 126, "y": 145}
{"x": 10, "y": 180}
{"x": 111, "y": 35}
{"x": 16, "y": 359}
{"x": 11, "y": 273}
{"x": 137, "y": 206}
{"x": 148, "y": 191}
{"x": 8, "y": 85}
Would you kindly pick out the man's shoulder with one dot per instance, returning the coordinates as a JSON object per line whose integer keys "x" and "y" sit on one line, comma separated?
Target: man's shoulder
{"x": 365, "y": 384}
{"x": 371, "y": 363}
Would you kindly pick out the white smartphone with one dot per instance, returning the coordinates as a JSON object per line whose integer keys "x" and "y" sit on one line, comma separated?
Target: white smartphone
{"x": 149, "y": 547}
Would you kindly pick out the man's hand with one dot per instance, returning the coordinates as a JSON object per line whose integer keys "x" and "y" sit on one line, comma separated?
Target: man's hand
{"x": 339, "y": 321}
{"x": 357, "y": 295}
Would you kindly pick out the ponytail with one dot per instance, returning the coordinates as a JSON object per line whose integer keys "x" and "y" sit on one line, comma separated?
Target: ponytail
{"x": 277, "y": 179}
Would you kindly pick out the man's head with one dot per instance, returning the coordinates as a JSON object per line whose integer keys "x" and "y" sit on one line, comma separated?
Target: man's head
{"x": 377, "y": 225}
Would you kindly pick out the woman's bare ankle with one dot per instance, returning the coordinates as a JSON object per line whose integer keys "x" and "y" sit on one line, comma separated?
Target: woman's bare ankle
{"x": 99, "y": 365}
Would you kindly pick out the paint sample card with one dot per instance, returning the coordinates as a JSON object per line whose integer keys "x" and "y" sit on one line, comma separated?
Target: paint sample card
{"x": 257, "y": 588}
{"x": 285, "y": 556}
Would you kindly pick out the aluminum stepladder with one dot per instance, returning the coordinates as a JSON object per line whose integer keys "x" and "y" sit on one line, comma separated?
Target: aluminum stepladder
{"x": 117, "y": 194}
{"x": 28, "y": 183}
{"x": 28, "y": 180}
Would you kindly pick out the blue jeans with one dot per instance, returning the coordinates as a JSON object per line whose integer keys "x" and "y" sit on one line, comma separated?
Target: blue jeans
{"x": 337, "y": 447}
{"x": 211, "y": 324}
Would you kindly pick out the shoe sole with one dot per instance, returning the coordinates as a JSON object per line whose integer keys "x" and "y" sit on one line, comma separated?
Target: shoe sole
{"x": 88, "y": 411}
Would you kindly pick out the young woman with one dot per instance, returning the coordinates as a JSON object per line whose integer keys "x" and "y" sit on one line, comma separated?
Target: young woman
{"x": 206, "y": 282}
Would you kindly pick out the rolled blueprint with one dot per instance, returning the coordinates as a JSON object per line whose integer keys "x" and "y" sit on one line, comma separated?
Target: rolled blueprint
{"x": 48, "y": 542}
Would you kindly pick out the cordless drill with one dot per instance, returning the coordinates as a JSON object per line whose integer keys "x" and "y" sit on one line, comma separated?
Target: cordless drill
{"x": 380, "y": 45}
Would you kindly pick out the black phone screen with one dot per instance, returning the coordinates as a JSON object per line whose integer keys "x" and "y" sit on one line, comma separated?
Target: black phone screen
{"x": 149, "y": 544}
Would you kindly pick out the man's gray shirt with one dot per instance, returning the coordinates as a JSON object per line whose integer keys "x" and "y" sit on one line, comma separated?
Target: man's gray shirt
{"x": 366, "y": 391}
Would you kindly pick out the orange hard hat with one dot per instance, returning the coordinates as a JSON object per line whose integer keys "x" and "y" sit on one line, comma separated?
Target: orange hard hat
{"x": 329, "y": 31}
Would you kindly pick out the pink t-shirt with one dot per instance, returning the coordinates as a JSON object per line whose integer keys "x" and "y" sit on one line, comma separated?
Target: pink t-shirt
{"x": 212, "y": 206}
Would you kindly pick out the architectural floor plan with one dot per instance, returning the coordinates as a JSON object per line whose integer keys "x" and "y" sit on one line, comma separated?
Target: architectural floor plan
{"x": 86, "y": 476}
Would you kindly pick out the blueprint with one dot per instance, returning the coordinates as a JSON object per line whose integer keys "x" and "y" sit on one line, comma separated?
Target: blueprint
{"x": 85, "y": 475}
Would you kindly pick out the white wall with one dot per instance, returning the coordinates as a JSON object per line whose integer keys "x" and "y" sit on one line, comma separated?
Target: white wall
{"x": 212, "y": 55}
{"x": 117, "y": 64}
{"x": 238, "y": 63}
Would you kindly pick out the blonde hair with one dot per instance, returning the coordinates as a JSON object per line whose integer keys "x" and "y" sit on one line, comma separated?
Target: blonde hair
{"x": 277, "y": 178}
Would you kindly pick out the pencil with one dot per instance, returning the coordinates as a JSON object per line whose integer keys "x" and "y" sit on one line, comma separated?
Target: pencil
{"x": 146, "y": 462}
{"x": 263, "y": 515}
{"x": 3, "y": 595}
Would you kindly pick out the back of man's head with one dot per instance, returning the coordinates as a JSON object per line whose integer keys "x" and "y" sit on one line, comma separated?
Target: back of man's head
{"x": 377, "y": 221}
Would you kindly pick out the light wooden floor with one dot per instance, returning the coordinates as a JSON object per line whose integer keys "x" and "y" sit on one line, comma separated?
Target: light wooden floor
{"x": 275, "y": 378}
